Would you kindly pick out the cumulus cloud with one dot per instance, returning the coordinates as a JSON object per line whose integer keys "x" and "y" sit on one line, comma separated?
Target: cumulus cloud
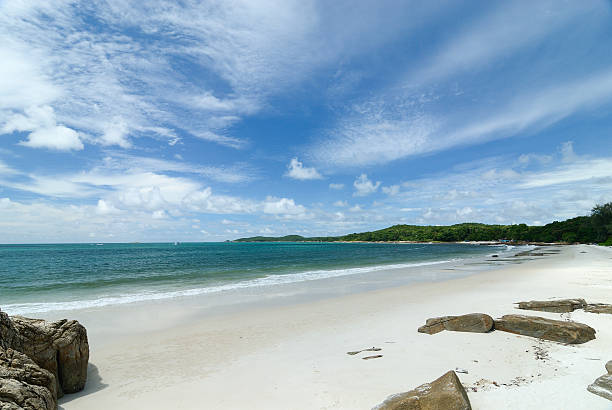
{"x": 44, "y": 132}
{"x": 363, "y": 186}
{"x": 297, "y": 170}
{"x": 284, "y": 206}
{"x": 336, "y": 186}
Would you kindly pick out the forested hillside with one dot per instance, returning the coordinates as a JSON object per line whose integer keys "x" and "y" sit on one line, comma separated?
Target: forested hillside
{"x": 595, "y": 228}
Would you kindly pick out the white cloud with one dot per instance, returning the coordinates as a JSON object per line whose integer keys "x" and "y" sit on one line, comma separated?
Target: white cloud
{"x": 379, "y": 131}
{"x": 297, "y": 170}
{"x": 363, "y": 186}
{"x": 582, "y": 170}
{"x": 284, "y": 206}
{"x": 391, "y": 190}
{"x": 336, "y": 186}
{"x": 115, "y": 133}
{"x": 219, "y": 139}
{"x": 57, "y": 138}
{"x": 44, "y": 130}
{"x": 119, "y": 161}
{"x": 341, "y": 203}
{"x": 104, "y": 208}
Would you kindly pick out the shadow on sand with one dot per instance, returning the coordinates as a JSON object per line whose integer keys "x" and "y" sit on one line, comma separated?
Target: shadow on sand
{"x": 94, "y": 384}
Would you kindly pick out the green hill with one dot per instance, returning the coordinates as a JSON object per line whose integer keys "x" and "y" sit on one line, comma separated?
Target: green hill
{"x": 595, "y": 228}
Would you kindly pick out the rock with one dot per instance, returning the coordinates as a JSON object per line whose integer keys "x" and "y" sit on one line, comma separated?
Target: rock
{"x": 9, "y": 337}
{"x": 602, "y": 386}
{"x": 555, "y": 306}
{"x": 24, "y": 384}
{"x": 60, "y": 347}
{"x": 542, "y": 328}
{"x": 598, "y": 308}
{"x": 473, "y": 322}
{"x": 609, "y": 367}
{"x": 445, "y": 393}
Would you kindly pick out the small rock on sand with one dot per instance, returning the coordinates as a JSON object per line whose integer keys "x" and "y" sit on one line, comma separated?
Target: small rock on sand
{"x": 602, "y": 386}
{"x": 445, "y": 392}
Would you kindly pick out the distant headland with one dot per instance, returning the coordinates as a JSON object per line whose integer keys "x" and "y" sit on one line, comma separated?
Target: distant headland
{"x": 594, "y": 228}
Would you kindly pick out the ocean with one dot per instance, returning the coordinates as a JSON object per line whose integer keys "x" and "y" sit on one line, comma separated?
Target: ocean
{"x": 42, "y": 278}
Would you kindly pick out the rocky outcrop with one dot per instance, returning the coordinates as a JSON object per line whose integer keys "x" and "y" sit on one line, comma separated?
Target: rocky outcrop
{"x": 609, "y": 366}
{"x": 598, "y": 308}
{"x": 445, "y": 392}
{"x": 60, "y": 347}
{"x": 24, "y": 384}
{"x": 555, "y": 306}
{"x": 9, "y": 335}
{"x": 542, "y": 328}
{"x": 473, "y": 322}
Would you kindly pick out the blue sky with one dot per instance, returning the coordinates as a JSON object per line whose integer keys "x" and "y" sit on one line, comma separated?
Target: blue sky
{"x": 206, "y": 121}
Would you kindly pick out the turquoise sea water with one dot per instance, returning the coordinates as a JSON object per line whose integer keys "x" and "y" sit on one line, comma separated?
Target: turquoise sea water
{"x": 40, "y": 278}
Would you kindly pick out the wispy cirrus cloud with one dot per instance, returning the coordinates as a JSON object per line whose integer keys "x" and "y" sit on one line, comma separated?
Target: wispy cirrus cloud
{"x": 379, "y": 134}
{"x": 500, "y": 32}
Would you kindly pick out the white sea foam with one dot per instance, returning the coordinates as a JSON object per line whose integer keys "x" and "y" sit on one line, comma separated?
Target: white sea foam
{"x": 29, "y": 308}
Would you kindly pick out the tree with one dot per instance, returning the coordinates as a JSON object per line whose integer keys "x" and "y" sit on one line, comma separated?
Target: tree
{"x": 601, "y": 217}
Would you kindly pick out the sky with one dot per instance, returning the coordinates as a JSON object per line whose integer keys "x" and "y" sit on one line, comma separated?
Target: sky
{"x": 187, "y": 120}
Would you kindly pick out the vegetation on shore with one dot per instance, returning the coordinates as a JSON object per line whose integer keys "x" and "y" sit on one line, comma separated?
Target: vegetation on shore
{"x": 595, "y": 228}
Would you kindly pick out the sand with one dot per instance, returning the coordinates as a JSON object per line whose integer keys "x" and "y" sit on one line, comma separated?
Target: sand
{"x": 293, "y": 356}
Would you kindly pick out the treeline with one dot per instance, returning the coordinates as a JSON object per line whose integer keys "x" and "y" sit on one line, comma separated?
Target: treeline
{"x": 595, "y": 228}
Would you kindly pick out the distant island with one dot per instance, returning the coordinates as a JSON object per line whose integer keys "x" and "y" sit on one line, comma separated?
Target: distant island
{"x": 594, "y": 228}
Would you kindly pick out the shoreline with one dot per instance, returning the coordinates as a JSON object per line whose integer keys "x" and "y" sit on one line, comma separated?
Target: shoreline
{"x": 294, "y": 356}
{"x": 292, "y": 281}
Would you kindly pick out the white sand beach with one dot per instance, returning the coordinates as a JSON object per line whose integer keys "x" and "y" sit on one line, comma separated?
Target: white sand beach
{"x": 294, "y": 356}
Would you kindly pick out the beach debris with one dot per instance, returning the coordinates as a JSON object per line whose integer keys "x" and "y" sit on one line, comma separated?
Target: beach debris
{"x": 598, "y": 308}
{"x": 445, "y": 392}
{"x": 602, "y": 386}
{"x": 547, "y": 329}
{"x": 459, "y": 370}
{"x": 473, "y": 322}
{"x": 555, "y": 306}
{"x": 24, "y": 384}
{"x": 60, "y": 347}
{"x": 376, "y": 356}
{"x": 540, "y": 353}
{"x": 371, "y": 349}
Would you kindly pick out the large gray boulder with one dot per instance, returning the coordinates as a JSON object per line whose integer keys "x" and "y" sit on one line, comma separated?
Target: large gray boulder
{"x": 444, "y": 393}
{"x": 24, "y": 384}
{"x": 542, "y": 328}
{"x": 60, "y": 347}
{"x": 473, "y": 322}
{"x": 555, "y": 306}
